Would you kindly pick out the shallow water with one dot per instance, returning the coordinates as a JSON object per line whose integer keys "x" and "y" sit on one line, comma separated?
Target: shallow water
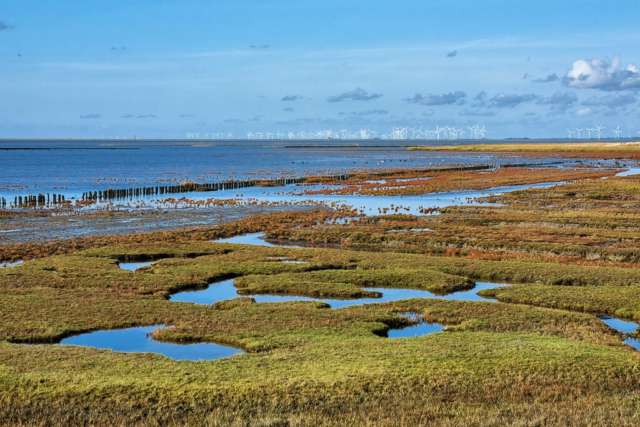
{"x": 133, "y": 266}
{"x": 370, "y": 205}
{"x": 138, "y": 340}
{"x": 73, "y": 167}
{"x": 623, "y": 326}
{"x": 631, "y": 171}
{"x": 224, "y": 290}
{"x": 10, "y": 264}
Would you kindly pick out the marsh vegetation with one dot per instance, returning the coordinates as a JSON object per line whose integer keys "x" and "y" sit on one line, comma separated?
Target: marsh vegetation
{"x": 539, "y": 355}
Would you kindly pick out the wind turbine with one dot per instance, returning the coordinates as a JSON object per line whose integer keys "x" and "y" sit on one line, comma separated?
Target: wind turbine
{"x": 482, "y": 132}
{"x": 472, "y": 132}
{"x": 599, "y": 128}
{"x": 617, "y": 131}
{"x": 570, "y": 133}
{"x": 589, "y": 130}
{"x": 579, "y": 130}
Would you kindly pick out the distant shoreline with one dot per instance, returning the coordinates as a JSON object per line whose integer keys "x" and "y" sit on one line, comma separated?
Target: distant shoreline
{"x": 327, "y": 143}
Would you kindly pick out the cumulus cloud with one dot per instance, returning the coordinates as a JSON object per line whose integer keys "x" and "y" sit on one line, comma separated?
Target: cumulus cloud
{"x": 146, "y": 116}
{"x": 505, "y": 100}
{"x": 428, "y": 113}
{"x": 456, "y": 97}
{"x": 602, "y": 74}
{"x": 291, "y": 98}
{"x": 611, "y": 101}
{"x": 288, "y": 109}
{"x": 550, "y": 78}
{"x": 355, "y": 95}
{"x": 452, "y": 54}
{"x": 584, "y": 112}
{"x": 370, "y": 112}
{"x": 466, "y": 112}
{"x": 91, "y": 116}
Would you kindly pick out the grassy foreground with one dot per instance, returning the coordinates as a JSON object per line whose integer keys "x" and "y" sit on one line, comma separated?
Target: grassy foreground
{"x": 539, "y": 357}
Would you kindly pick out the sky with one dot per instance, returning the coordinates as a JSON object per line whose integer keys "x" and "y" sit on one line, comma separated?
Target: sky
{"x": 162, "y": 68}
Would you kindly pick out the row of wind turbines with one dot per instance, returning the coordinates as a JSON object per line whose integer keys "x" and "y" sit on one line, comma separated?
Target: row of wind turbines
{"x": 475, "y": 132}
{"x": 617, "y": 131}
{"x": 216, "y": 135}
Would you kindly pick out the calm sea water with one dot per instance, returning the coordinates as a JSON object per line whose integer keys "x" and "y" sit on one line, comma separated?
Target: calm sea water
{"x": 72, "y": 167}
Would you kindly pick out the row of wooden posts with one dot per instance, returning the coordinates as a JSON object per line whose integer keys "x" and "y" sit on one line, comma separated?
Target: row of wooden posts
{"x": 112, "y": 194}
{"x": 36, "y": 200}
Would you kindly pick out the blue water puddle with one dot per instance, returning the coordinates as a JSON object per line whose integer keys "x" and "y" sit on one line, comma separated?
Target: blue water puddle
{"x": 624, "y": 326}
{"x": 224, "y": 290}
{"x": 10, "y": 264}
{"x": 418, "y": 329}
{"x": 247, "y": 239}
{"x": 133, "y": 266}
{"x": 138, "y": 340}
{"x": 633, "y": 342}
{"x": 619, "y": 325}
{"x": 631, "y": 171}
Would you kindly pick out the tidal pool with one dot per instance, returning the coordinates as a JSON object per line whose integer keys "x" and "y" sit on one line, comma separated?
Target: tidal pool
{"x": 418, "y": 329}
{"x": 624, "y": 326}
{"x": 223, "y": 290}
{"x": 10, "y": 264}
{"x": 139, "y": 340}
{"x": 133, "y": 266}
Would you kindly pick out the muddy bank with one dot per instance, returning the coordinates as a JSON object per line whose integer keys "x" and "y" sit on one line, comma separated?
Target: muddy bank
{"x": 28, "y": 227}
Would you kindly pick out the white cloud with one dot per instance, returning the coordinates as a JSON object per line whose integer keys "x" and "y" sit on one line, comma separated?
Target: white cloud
{"x": 583, "y": 112}
{"x": 602, "y": 74}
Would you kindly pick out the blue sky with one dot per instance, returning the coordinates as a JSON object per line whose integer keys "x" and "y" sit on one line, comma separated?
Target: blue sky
{"x": 106, "y": 68}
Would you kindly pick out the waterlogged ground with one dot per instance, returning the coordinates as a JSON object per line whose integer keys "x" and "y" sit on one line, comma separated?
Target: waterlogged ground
{"x": 139, "y": 340}
{"x": 515, "y": 309}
